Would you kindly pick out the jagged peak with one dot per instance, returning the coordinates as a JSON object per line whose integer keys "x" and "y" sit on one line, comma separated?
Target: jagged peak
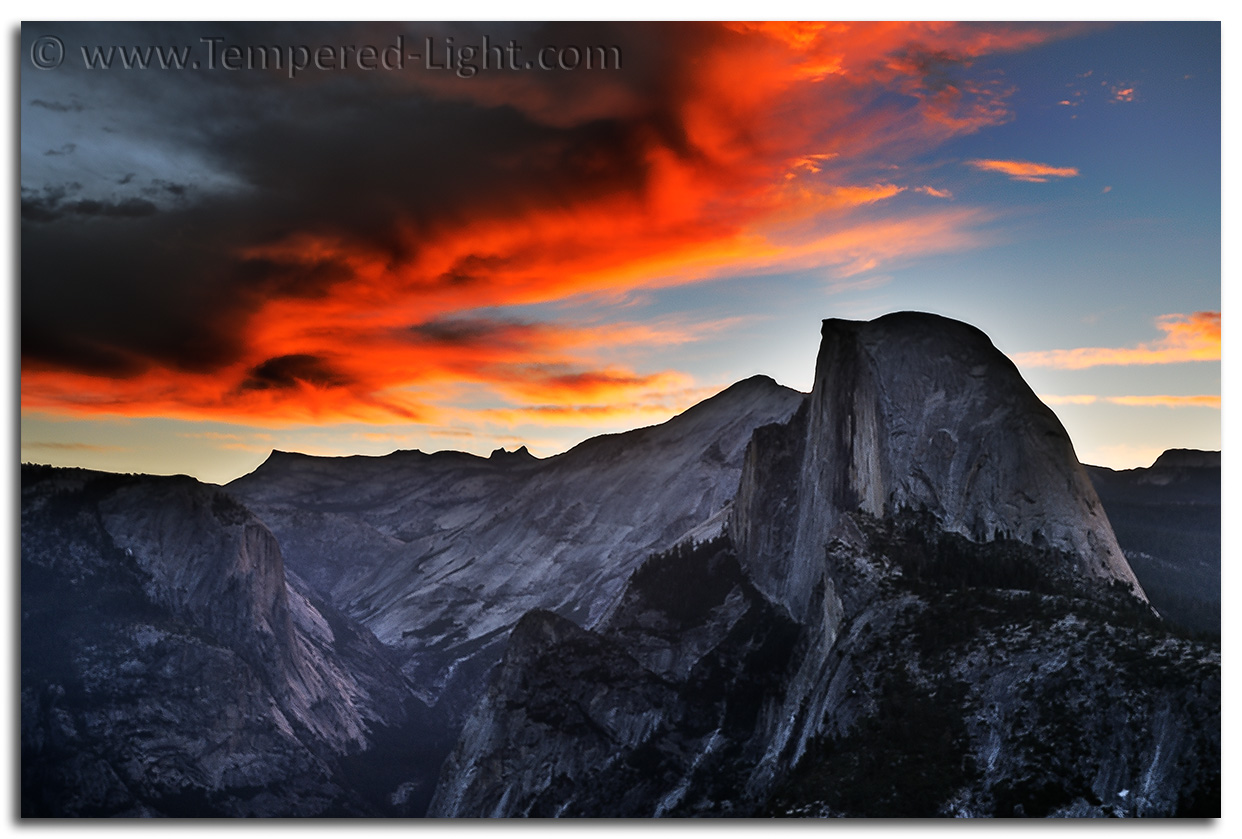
{"x": 520, "y": 453}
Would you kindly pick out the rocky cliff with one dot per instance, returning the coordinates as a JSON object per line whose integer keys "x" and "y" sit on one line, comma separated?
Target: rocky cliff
{"x": 170, "y": 666}
{"x": 916, "y": 412}
{"x": 658, "y": 711}
{"x": 964, "y": 680}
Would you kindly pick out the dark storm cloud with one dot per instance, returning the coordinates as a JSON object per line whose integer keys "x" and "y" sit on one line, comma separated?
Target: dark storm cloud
{"x": 159, "y": 185}
{"x": 288, "y": 371}
{"x": 67, "y": 148}
{"x": 125, "y": 208}
{"x": 59, "y": 107}
{"x": 473, "y": 332}
{"x": 50, "y": 205}
{"x": 123, "y": 292}
{"x": 379, "y": 161}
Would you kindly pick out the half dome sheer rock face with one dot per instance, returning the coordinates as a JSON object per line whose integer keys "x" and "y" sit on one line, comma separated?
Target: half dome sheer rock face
{"x": 915, "y": 412}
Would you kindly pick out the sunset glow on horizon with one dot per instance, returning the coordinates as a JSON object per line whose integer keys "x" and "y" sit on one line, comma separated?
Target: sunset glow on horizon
{"x": 216, "y": 264}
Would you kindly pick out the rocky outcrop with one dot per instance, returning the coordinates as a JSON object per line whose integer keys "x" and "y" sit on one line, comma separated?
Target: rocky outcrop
{"x": 659, "y": 711}
{"x": 968, "y": 680}
{"x": 1187, "y": 459}
{"x": 964, "y": 680}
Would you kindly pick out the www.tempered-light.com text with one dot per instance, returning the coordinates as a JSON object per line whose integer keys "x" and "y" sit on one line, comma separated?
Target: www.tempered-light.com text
{"x": 215, "y": 53}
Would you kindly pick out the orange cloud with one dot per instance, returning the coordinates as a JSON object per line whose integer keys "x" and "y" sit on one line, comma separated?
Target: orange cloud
{"x": 1024, "y": 170}
{"x": 407, "y": 374}
{"x": 680, "y": 178}
{"x": 1199, "y": 401}
{"x": 1196, "y": 401}
{"x": 648, "y": 407}
{"x": 1194, "y": 337}
{"x": 1070, "y": 399}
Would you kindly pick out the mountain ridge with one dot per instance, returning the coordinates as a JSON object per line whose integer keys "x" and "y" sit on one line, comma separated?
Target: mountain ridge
{"x": 1167, "y": 518}
{"x": 278, "y": 457}
{"x": 430, "y": 536}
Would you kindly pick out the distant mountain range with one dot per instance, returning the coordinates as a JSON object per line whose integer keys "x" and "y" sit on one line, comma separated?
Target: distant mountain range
{"x": 899, "y": 595}
{"x": 1167, "y": 520}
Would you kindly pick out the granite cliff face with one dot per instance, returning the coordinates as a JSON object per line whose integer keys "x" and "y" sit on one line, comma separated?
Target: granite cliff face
{"x": 916, "y": 412}
{"x": 910, "y": 414}
{"x": 659, "y": 710}
{"x": 170, "y": 666}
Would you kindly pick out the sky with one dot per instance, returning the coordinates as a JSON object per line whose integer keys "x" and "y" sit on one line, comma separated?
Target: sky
{"x": 220, "y": 261}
